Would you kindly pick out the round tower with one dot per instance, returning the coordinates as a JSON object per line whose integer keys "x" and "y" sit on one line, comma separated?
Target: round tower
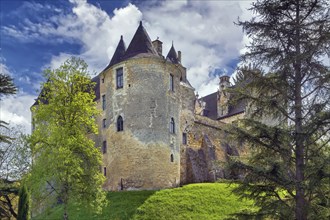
{"x": 140, "y": 124}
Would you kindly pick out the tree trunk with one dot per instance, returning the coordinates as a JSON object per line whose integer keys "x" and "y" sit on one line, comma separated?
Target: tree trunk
{"x": 300, "y": 211}
{"x": 65, "y": 215}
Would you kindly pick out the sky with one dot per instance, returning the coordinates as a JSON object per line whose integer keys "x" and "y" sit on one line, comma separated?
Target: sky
{"x": 41, "y": 34}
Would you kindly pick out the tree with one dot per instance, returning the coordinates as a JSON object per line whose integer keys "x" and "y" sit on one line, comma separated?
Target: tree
{"x": 66, "y": 161}
{"x": 23, "y": 204}
{"x": 7, "y": 87}
{"x": 15, "y": 161}
{"x": 288, "y": 123}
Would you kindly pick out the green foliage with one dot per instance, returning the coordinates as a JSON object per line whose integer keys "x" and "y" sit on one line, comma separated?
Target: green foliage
{"x": 287, "y": 93}
{"x": 23, "y": 204}
{"x": 196, "y": 201}
{"x": 66, "y": 164}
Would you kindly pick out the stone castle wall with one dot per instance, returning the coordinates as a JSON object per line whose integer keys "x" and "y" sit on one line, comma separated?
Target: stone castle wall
{"x": 145, "y": 155}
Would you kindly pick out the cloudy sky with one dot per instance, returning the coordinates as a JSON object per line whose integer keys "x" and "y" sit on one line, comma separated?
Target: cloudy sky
{"x": 35, "y": 35}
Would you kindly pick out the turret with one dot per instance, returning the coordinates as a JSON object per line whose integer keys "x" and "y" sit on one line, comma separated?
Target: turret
{"x": 172, "y": 55}
{"x": 119, "y": 53}
{"x": 140, "y": 44}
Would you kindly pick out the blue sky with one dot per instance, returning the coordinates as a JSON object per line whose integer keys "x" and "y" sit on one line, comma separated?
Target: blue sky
{"x": 35, "y": 35}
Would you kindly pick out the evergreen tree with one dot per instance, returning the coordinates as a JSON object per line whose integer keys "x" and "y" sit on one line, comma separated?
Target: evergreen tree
{"x": 288, "y": 113}
{"x": 67, "y": 163}
{"x": 23, "y": 204}
{"x": 7, "y": 87}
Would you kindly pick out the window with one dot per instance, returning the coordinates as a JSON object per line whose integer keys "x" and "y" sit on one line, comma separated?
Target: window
{"x": 172, "y": 158}
{"x": 184, "y": 138}
{"x": 119, "y": 78}
{"x": 104, "y": 147}
{"x": 104, "y": 123}
{"x": 102, "y": 80}
{"x": 171, "y": 82}
{"x": 172, "y": 126}
{"x": 103, "y": 102}
{"x": 104, "y": 171}
{"x": 120, "y": 124}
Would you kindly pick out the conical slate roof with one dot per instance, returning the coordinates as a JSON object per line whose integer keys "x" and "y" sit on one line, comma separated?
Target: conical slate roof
{"x": 172, "y": 55}
{"x": 119, "y": 53}
{"x": 140, "y": 44}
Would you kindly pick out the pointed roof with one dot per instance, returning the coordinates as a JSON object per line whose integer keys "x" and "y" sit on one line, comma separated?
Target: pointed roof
{"x": 172, "y": 55}
{"x": 140, "y": 44}
{"x": 119, "y": 53}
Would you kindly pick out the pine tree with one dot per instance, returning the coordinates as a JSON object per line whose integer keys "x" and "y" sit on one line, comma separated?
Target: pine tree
{"x": 67, "y": 163}
{"x": 23, "y": 204}
{"x": 288, "y": 114}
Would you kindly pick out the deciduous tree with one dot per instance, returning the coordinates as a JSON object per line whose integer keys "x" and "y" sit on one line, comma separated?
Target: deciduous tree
{"x": 15, "y": 161}
{"x": 66, "y": 161}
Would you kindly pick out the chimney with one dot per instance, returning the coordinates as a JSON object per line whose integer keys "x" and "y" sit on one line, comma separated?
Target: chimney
{"x": 224, "y": 82}
{"x": 158, "y": 45}
{"x": 179, "y": 56}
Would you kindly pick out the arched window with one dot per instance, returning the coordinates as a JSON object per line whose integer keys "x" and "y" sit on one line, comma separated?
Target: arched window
{"x": 172, "y": 126}
{"x": 172, "y": 158}
{"x": 120, "y": 124}
{"x": 104, "y": 171}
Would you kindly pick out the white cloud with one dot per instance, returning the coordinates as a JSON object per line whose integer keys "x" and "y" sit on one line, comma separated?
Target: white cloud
{"x": 203, "y": 30}
{"x": 15, "y": 110}
{"x": 205, "y": 33}
{"x": 4, "y": 69}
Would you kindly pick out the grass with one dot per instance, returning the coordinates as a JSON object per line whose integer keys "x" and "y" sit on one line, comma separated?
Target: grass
{"x": 194, "y": 201}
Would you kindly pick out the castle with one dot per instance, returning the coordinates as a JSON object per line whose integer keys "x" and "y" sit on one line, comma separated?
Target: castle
{"x": 154, "y": 132}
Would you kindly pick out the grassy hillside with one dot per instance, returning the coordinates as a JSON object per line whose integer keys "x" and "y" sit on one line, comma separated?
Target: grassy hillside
{"x": 195, "y": 201}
